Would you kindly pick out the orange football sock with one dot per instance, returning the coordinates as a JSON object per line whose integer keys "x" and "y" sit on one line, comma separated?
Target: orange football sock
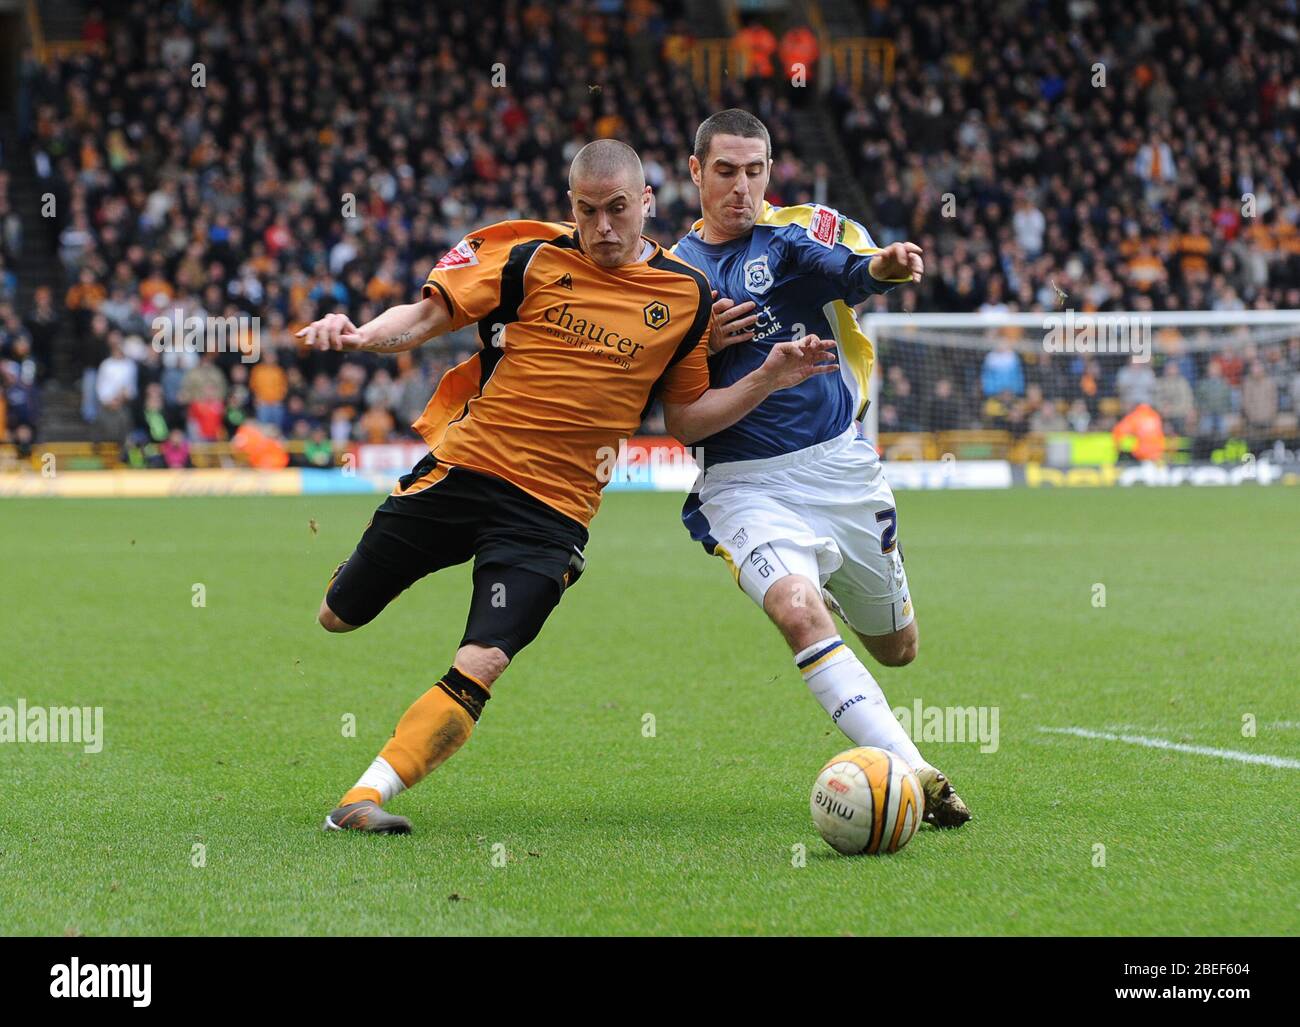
{"x": 359, "y": 793}
{"x": 430, "y": 731}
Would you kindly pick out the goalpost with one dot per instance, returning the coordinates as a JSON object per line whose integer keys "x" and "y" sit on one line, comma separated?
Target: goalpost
{"x": 1006, "y": 384}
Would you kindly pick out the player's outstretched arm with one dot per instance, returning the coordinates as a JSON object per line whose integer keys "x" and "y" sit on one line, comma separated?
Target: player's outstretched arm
{"x": 787, "y": 364}
{"x": 395, "y": 330}
{"x": 898, "y": 262}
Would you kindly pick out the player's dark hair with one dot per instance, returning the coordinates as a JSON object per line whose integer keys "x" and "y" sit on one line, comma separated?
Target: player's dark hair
{"x": 731, "y": 122}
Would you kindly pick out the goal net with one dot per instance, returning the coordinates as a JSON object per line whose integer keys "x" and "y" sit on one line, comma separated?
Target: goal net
{"x": 1052, "y": 387}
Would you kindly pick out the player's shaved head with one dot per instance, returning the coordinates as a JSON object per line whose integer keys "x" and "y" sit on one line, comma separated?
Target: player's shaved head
{"x": 607, "y": 160}
{"x": 610, "y": 201}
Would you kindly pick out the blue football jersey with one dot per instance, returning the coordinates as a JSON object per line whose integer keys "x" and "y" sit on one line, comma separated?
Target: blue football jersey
{"x": 803, "y": 265}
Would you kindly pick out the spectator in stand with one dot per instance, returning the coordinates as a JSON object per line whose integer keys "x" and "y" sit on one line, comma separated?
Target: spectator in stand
{"x": 93, "y": 30}
{"x": 205, "y": 412}
{"x": 1259, "y": 399}
{"x": 1291, "y": 376}
{"x": 1136, "y": 382}
{"x": 1214, "y": 402}
{"x": 318, "y": 451}
{"x": 1029, "y": 225}
{"x": 1089, "y": 385}
{"x": 269, "y": 385}
{"x": 115, "y": 390}
{"x": 91, "y": 350}
{"x": 942, "y": 411}
{"x": 321, "y": 398}
{"x": 1172, "y": 397}
{"x": 11, "y": 229}
{"x": 415, "y": 386}
{"x": 1002, "y": 371}
{"x": 376, "y": 425}
{"x": 1145, "y": 270}
{"x": 239, "y": 399}
{"x": 907, "y": 405}
{"x": 176, "y": 450}
{"x": 891, "y": 215}
{"x": 1155, "y": 166}
{"x": 295, "y": 423}
{"x": 23, "y": 437}
{"x": 756, "y": 45}
{"x": 154, "y": 426}
{"x": 341, "y": 425}
{"x": 8, "y": 283}
{"x": 382, "y": 392}
{"x": 1233, "y": 366}
{"x": 20, "y": 356}
{"x": 799, "y": 52}
{"x": 203, "y": 382}
{"x": 22, "y": 408}
{"x": 12, "y": 333}
{"x": 1041, "y": 415}
{"x": 1077, "y": 417}
{"x": 85, "y": 297}
{"x": 1017, "y": 413}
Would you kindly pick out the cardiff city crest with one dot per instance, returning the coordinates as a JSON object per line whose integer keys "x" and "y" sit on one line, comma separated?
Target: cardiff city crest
{"x": 758, "y": 276}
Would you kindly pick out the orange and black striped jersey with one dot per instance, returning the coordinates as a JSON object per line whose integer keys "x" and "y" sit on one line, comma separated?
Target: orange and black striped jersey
{"x": 573, "y": 354}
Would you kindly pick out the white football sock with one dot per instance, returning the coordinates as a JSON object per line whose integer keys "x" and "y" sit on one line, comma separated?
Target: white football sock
{"x": 855, "y": 703}
{"x": 382, "y": 778}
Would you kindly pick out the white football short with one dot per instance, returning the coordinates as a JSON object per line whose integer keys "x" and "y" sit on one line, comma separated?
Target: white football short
{"x": 826, "y": 513}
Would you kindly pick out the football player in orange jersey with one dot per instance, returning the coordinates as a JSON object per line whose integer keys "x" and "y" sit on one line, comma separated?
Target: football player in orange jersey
{"x": 583, "y": 326}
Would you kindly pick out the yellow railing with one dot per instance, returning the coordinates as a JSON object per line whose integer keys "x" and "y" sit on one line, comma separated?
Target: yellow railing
{"x": 107, "y": 456}
{"x": 34, "y": 30}
{"x": 712, "y": 61}
{"x": 47, "y": 50}
{"x": 64, "y": 48}
{"x": 85, "y": 456}
{"x": 962, "y": 445}
{"x": 856, "y": 60}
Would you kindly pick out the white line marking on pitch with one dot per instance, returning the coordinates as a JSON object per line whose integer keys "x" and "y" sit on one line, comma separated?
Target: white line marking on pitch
{"x": 1160, "y": 743}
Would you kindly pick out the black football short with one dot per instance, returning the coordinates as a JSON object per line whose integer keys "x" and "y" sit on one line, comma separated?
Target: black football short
{"x": 525, "y": 553}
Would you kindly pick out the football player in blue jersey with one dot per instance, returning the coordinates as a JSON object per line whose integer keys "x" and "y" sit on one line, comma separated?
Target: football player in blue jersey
{"x": 792, "y": 496}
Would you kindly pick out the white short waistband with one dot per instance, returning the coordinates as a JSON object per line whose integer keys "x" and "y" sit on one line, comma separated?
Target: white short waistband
{"x": 743, "y": 468}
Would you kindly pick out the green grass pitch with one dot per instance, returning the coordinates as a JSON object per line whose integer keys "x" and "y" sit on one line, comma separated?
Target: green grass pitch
{"x": 224, "y": 728}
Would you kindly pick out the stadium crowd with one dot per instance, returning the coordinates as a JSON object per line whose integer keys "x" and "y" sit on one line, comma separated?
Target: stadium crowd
{"x": 1140, "y": 157}
{"x": 277, "y": 188}
{"x": 207, "y": 164}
